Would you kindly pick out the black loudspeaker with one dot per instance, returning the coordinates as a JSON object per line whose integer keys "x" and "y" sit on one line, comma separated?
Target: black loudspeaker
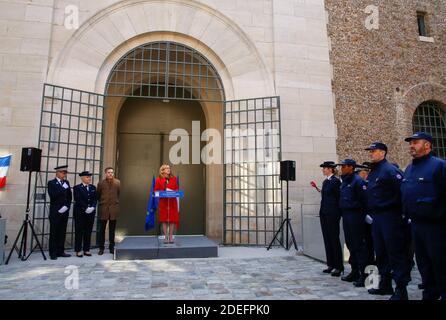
{"x": 31, "y": 158}
{"x": 288, "y": 170}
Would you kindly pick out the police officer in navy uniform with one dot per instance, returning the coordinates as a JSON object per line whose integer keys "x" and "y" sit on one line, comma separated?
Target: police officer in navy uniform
{"x": 85, "y": 201}
{"x": 353, "y": 201}
{"x": 424, "y": 201}
{"x": 60, "y": 194}
{"x": 388, "y": 227}
{"x": 363, "y": 171}
{"x": 330, "y": 217}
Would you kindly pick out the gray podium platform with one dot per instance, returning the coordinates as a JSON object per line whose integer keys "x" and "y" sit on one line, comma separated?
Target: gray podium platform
{"x": 150, "y": 247}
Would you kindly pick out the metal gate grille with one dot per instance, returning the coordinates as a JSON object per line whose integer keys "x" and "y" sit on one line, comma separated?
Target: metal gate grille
{"x": 431, "y": 118}
{"x": 253, "y": 197}
{"x": 71, "y": 127}
{"x": 166, "y": 70}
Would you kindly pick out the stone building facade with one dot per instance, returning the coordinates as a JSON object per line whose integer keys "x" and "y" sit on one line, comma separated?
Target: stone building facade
{"x": 340, "y": 86}
{"x": 382, "y": 74}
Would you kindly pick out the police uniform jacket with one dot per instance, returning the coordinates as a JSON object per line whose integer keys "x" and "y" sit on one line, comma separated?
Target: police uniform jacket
{"x": 84, "y": 198}
{"x": 330, "y": 197}
{"x": 424, "y": 190}
{"x": 353, "y": 194}
{"x": 384, "y": 188}
{"x": 59, "y": 196}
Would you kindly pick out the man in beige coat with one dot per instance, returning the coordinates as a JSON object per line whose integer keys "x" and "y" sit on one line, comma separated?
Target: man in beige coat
{"x": 108, "y": 198}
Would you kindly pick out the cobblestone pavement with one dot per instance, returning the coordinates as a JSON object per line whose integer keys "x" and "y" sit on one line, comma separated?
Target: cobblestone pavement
{"x": 239, "y": 273}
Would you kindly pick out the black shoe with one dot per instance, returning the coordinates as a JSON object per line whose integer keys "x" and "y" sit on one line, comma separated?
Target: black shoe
{"x": 337, "y": 273}
{"x": 87, "y": 254}
{"x": 384, "y": 288}
{"x": 352, "y": 276}
{"x": 421, "y": 286}
{"x": 53, "y": 258}
{"x": 64, "y": 255}
{"x": 429, "y": 296}
{"x": 328, "y": 270}
{"x": 112, "y": 251}
{"x": 382, "y": 291}
{"x": 400, "y": 294}
{"x": 79, "y": 255}
{"x": 101, "y": 252}
{"x": 360, "y": 282}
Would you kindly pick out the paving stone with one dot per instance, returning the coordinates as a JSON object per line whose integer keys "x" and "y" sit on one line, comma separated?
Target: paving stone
{"x": 289, "y": 277}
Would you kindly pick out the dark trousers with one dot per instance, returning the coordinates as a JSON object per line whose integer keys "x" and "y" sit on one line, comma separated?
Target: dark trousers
{"x": 58, "y": 231}
{"x": 330, "y": 232}
{"x": 83, "y": 225}
{"x": 390, "y": 241}
{"x": 369, "y": 248}
{"x": 111, "y": 234}
{"x": 430, "y": 252}
{"x": 354, "y": 232}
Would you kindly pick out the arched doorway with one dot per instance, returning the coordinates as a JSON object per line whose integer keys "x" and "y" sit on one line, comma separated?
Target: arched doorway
{"x": 153, "y": 89}
{"x": 143, "y": 144}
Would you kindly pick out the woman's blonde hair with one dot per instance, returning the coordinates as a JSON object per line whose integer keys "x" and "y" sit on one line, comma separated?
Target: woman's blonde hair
{"x": 162, "y": 168}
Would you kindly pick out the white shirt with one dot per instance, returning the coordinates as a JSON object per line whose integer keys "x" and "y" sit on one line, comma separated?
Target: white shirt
{"x": 329, "y": 177}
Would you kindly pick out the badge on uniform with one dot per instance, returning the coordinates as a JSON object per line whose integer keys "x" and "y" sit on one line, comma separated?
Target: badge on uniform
{"x": 399, "y": 177}
{"x": 65, "y": 185}
{"x": 364, "y": 187}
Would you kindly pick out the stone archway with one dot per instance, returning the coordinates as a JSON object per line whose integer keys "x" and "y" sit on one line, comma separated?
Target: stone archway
{"x": 211, "y": 108}
{"x": 90, "y": 54}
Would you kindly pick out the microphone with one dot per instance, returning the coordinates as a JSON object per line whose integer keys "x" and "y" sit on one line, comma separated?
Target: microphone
{"x": 314, "y": 185}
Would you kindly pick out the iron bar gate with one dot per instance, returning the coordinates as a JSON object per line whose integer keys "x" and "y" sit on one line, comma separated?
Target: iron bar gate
{"x": 252, "y": 154}
{"x": 71, "y": 127}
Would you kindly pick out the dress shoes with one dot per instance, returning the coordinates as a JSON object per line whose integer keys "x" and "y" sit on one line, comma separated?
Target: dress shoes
{"x": 328, "y": 270}
{"x": 352, "y": 276}
{"x": 400, "y": 294}
{"x": 64, "y": 255}
{"x": 360, "y": 283}
{"x": 384, "y": 288}
{"x": 337, "y": 273}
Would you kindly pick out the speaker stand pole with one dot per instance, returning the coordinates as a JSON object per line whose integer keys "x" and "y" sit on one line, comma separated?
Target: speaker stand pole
{"x": 287, "y": 224}
{"x": 24, "y": 233}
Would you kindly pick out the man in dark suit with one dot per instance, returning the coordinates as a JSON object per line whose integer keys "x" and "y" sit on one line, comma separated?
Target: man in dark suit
{"x": 60, "y": 194}
{"x": 84, "y": 212}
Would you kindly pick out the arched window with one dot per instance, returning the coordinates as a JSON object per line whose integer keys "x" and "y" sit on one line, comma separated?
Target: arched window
{"x": 430, "y": 117}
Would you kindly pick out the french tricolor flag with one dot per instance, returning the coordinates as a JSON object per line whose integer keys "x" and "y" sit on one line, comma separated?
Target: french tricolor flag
{"x": 5, "y": 161}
